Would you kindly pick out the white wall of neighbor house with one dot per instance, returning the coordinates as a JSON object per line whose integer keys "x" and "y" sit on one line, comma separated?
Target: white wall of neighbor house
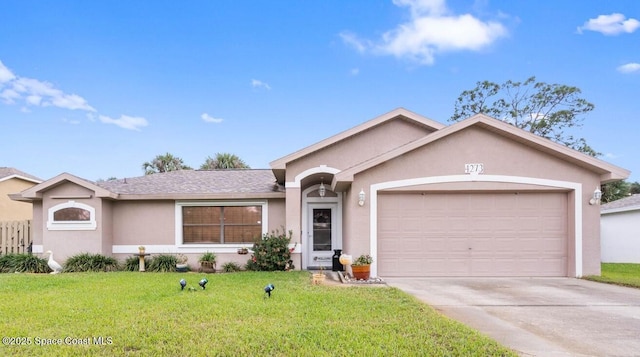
{"x": 620, "y": 237}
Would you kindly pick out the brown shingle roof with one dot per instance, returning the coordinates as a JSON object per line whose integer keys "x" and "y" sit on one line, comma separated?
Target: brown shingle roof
{"x": 10, "y": 171}
{"x": 194, "y": 182}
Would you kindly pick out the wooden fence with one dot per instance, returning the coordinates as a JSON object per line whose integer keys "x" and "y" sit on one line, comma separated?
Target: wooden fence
{"x": 15, "y": 237}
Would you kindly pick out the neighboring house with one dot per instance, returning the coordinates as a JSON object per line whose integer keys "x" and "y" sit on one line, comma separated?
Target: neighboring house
{"x": 12, "y": 181}
{"x": 620, "y": 230}
{"x": 476, "y": 198}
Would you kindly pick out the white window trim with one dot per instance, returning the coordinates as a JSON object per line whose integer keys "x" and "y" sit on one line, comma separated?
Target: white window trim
{"x": 89, "y": 225}
{"x": 217, "y": 247}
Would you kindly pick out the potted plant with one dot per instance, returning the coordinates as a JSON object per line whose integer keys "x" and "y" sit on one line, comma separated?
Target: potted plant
{"x": 208, "y": 262}
{"x": 361, "y": 267}
{"x": 243, "y": 251}
{"x": 181, "y": 262}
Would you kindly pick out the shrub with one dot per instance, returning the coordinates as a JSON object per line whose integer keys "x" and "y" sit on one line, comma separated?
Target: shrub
{"x": 163, "y": 263}
{"x": 23, "y": 263}
{"x": 271, "y": 252}
{"x": 90, "y": 262}
{"x": 132, "y": 263}
{"x": 231, "y": 267}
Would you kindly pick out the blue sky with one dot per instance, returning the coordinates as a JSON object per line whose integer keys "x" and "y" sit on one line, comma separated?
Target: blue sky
{"x": 97, "y": 88}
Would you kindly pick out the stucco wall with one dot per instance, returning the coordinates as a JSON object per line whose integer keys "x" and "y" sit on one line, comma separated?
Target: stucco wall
{"x": 500, "y": 156}
{"x": 14, "y": 210}
{"x": 360, "y": 147}
{"x": 143, "y": 222}
{"x": 620, "y": 237}
{"x": 65, "y": 243}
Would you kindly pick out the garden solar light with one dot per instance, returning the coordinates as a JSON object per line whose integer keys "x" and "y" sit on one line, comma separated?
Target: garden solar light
{"x": 183, "y": 283}
{"x": 203, "y": 282}
{"x": 268, "y": 289}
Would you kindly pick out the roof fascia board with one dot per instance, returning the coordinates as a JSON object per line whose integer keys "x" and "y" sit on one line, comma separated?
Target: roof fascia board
{"x": 20, "y": 177}
{"x": 35, "y": 192}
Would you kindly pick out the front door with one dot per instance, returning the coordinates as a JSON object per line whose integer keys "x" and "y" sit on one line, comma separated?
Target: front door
{"x": 322, "y": 234}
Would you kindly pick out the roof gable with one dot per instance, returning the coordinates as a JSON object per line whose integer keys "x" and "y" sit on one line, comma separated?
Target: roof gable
{"x": 279, "y": 166}
{"x": 8, "y": 173}
{"x": 607, "y": 171}
{"x": 35, "y": 192}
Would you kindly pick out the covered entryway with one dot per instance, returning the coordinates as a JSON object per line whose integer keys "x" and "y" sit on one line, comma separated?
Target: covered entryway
{"x": 472, "y": 234}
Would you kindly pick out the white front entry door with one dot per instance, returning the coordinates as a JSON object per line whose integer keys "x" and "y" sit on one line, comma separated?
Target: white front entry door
{"x": 322, "y": 234}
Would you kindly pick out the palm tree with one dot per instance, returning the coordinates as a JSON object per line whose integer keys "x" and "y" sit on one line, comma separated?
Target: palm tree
{"x": 223, "y": 161}
{"x": 164, "y": 163}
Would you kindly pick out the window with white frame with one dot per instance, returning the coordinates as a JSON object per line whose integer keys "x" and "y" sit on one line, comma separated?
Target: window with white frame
{"x": 71, "y": 215}
{"x": 220, "y": 222}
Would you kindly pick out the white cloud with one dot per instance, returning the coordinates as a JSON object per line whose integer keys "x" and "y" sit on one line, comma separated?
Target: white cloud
{"x": 431, "y": 31}
{"x": 353, "y": 41}
{"x": 209, "y": 119}
{"x": 125, "y": 122}
{"x": 610, "y": 155}
{"x": 629, "y": 68}
{"x": 71, "y": 121}
{"x": 354, "y": 71}
{"x": 34, "y": 92}
{"x": 38, "y": 93}
{"x": 610, "y": 25}
{"x": 255, "y": 83}
{"x": 5, "y": 74}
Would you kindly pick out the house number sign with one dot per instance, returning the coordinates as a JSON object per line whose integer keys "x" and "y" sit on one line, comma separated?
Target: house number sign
{"x": 473, "y": 168}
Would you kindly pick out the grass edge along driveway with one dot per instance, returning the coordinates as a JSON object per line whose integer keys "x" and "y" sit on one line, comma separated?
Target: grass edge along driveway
{"x": 142, "y": 314}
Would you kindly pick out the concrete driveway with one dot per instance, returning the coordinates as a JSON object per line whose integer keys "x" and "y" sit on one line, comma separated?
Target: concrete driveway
{"x": 539, "y": 316}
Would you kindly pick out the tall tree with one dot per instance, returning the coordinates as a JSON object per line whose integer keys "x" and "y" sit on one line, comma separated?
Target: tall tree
{"x": 164, "y": 163}
{"x": 223, "y": 160}
{"x": 547, "y": 110}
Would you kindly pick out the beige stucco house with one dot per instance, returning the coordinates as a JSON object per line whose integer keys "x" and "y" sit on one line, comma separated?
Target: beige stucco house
{"x": 12, "y": 181}
{"x": 476, "y": 198}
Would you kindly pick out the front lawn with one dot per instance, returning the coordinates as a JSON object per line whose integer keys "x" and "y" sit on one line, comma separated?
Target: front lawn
{"x": 146, "y": 314}
{"x": 619, "y": 273}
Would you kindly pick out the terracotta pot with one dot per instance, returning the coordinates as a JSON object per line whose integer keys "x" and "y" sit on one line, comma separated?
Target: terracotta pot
{"x": 361, "y": 272}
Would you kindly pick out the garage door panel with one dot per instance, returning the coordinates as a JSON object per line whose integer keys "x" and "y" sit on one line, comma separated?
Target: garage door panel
{"x": 483, "y": 234}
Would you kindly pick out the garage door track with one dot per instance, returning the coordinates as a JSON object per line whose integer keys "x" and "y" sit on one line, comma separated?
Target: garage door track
{"x": 539, "y": 316}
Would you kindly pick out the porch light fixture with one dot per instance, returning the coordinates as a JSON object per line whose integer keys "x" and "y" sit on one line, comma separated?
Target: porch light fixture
{"x": 322, "y": 190}
{"x": 361, "y": 197}
{"x": 597, "y": 196}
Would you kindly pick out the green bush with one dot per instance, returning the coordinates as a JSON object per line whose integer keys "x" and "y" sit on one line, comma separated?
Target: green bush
{"x": 23, "y": 263}
{"x": 90, "y": 262}
{"x": 163, "y": 263}
{"x": 271, "y": 252}
{"x": 132, "y": 263}
{"x": 231, "y": 267}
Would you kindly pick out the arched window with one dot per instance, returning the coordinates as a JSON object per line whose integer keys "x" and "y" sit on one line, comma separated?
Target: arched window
{"x": 71, "y": 216}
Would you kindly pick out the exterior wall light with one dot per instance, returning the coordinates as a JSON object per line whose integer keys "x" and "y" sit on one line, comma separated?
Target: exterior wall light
{"x": 361, "y": 198}
{"x": 597, "y": 196}
{"x": 322, "y": 190}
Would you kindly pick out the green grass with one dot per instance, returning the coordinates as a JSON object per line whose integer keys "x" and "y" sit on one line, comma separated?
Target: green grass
{"x": 619, "y": 273}
{"x": 146, "y": 314}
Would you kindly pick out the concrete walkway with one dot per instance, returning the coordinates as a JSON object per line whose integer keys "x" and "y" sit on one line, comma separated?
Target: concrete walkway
{"x": 539, "y": 316}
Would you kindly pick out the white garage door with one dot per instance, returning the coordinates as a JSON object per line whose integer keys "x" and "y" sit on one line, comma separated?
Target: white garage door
{"x": 477, "y": 234}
